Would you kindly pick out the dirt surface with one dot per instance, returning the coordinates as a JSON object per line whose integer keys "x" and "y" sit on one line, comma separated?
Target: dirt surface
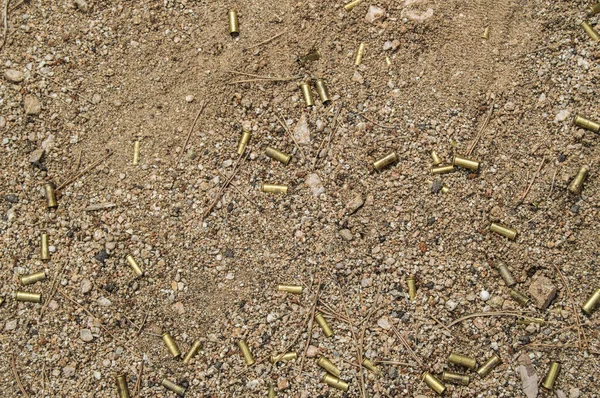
{"x": 108, "y": 73}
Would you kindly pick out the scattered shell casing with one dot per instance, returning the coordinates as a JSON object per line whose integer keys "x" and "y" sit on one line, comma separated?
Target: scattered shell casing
{"x": 455, "y": 378}
{"x": 307, "y": 94}
{"x": 273, "y": 188}
{"x": 349, "y": 6}
{"x": 463, "y": 360}
{"x": 33, "y": 278}
{"x": 244, "y": 139}
{"x": 434, "y": 383}
{"x": 465, "y": 163}
{"x": 435, "y": 158}
{"x": 388, "y": 61}
{"x": 44, "y": 248}
{"x": 28, "y": 297}
{"x": 590, "y": 31}
{"x": 136, "y": 152}
{"x": 322, "y": 91}
{"x": 587, "y": 124}
{"x": 506, "y": 275}
{"x": 486, "y": 33}
{"x": 447, "y": 168}
{"x": 488, "y": 366}
{"x": 329, "y": 366}
{"x": 519, "y": 297}
{"x": 246, "y": 353}
{"x": 504, "y": 231}
{"x": 134, "y": 265}
{"x": 385, "y": 161}
{"x": 334, "y": 382}
{"x": 359, "y": 54}
{"x": 169, "y": 385}
{"x": 313, "y": 55}
{"x": 412, "y": 288}
{"x": 271, "y": 393}
{"x": 593, "y": 10}
{"x": 234, "y": 24}
{"x": 278, "y": 155}
{"x": 323, "y": 324}
{"x": 445, "y": 189}
{"x": 171, "y": 345}
{"x": 288, "y": 356}
{"x": 51, "y": 202}
{"x": 192, "y": 352}
{"x": 371, "y": 366}
{"x": 592, "y": 302}
{"x": 577, "y": 184}
{"x": 290, "y": 289}
{"x": 550, "y": 378}
{"x": 122, "y": 389}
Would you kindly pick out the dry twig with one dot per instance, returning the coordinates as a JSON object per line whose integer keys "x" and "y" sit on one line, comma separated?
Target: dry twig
{"x": 478, "y": 314}
{"x": 333, "y": 130}
{"x": 266, "y": 41}
{"x": 90, "y": 167}
{"x": 16, "y": 375}
{"x": 406, "y": 345}
{"x": 580, "y": 333}
{"x": 5, "y": 21}
{"x": 281, "y": 121}
{"x": 190, "y": 133}
{"x": 383, "y": 126}
{"x": 531, "y": 183}
{"x": 485, "y": 123}
{"x": 138, "y": 382}
{"x": 310, "y": 325}
{"x": 225, "y": 184}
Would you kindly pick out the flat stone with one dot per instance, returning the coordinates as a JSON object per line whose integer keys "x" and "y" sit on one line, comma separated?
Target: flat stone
{"x": 312, "y": 351}
{"x": 301, "y": 132}
{"x": 13, "y": 76}
{"x": 86, "y": 335}
{"x": 36, "y": 156}
{"x": 384, "y": 323}
{"x": 374, "y": 13}
{"x": 10, "y": 325}
{"x": 82, "y": 5}
{"x": 32, "y": 104}
{"x": 355, "y": 204}
{"x": 562, "y": 115}
{"x": 451, "y": 305}
{"x": 103, "y": 301}
{"x": 314, "y": 183}
{"x": 86, "y": 286}
{"x": 346, "y": 234}
{"x": 542, "y": 290}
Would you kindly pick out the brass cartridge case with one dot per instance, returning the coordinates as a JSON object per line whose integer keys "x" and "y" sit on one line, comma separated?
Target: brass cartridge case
{"x": 463, "y": 360}
{"x": 33, "y": 278}
{"x": 334, "y": 382}
{"x": 51, "y": 202}
{"x": 244, "y": 139}
{"x": 488, "y": 366}
{"x": 519, "y": 297}
{"x": 371, "y": 366}
{"x": 134, "y": 265}
{"x": 433, "y": 383}
{"x": 385, "y": 161}
{"x": 506, "y": 275}
{"x": 136, "y": 152}
{"x": 455, "y": 378}
{"x": 593, "y": 10}
{"x": 169, "y": 385}
{"x": 445, "y": 189}
{"x": 288, "y": 356}
{"x": 329, "y": 366}
{"x": 590, "y": 31}
{"x": 592, "y": 303}
{"x": 323, "y": 324}
{"x": 350, "y": 5}
{"x": 294, "y": 289}
{"x": 323, "y": 92}
{"x": 44, "y": 247}
{"x": 412, "y": 288}
{"x": 550, "y": 378}
{"x": 577, "y": 184}
{"x": 435, "y": 158}
{"x": 122, "y": 389}
{"x": 486, "y": 33}
{"x": 359, "y": 54}
{"x": 278, "y": 155}
{"x": 271, "y": 393}
{"x": 388, "y": 61}
{"x": 248, "y": 358}
{"x": 273, "y": 188}
{"x": 234, "y": 24}
{"x": 28, "y": 297}
{"x": 171, "y": 345}
{"x": 307, "y": 94}
{"x": 447, "y": 168}
{"x": 465, "y": 163}
{"x": 192, "y": 352}
{"x": 504, "y": 231}
{"x": 586, "y": 124}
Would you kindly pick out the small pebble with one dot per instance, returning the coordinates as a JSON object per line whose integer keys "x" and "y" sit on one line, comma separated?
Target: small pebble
{"x": 86, "y": 335}
{"x": 485, "y": 295}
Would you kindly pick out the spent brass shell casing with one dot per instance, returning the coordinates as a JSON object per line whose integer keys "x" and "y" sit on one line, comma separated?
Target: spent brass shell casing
{"x": 322, "y": 91}
{"x": 273, "y": 188}
{"x": 307, "y": 94}
{"x": 329, "y": 366}
{"x": 586, "y": 124}
{"x": 506, "y": 275}
{"x": 519, "y": 297}
{"x": 486, "y": 33}
{"x": 388, "y": 61}
{"x": 323, "y": 324}
{"x": 278, "y": 155}
{"x": 447, "y": 168}
{"x": 455, "y": 378}
{"x": 334, "y": 382}
{"x": 576, "y": 185}
{"x": 385, "y": 161}
{"x": 248, "y": 358}
{"x": 244, "y": 139}
{"x": 593, "y": 10}
{"x": 504, "y": 231}
{"x": 122, "y": 389}
{"x": 371, "y": 366}
{"x": 590, "y": 31}
{"x": 28, "y": 297}
{"x": 435, "y": 158}
{"x": 192, "y": 352}
{"x": 234, "y": 24}
{"x": 412, "y": 288}
{"x": 33, "y": 278}
{"x": 349, "y": 6}
{"x": 434, "y": 383}
{"x": 44, "y": 247}
{"x": 169, "y": 385}
{"x": 287, "y": 356}
{"x": 463, "y": 360}
{"x": 465, "y": 163}
{"x": 290, "y": 289}
{"x": 445, "y": 189}
{"x": 591, "y": 303}
{"x": 171, "y": 345}
{"x": 134, "y": 265}
{"x": 271, "y": 393}
{"x": 359, "y": 54}
{"x": 136, "y": 152}
{"x": 550, "y": 378}
{"x": 51, "y": 202}
{"x": 488, "y": 366}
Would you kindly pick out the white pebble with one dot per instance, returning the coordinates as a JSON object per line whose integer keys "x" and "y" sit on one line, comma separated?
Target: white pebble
{"x": 189, "y": 98}
{"x": 485, "y": 295}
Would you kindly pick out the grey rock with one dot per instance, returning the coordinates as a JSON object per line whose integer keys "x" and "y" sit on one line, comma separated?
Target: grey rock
{"x": 314, "y": 183}
{"x": 68, "y": 371}
{"x": 529, "y": 379}
{"x": 374, "y": 13}
{"x": 355, "y": 204}
{"x": 13, "y": 76}
{"x": 301, "y": 132}
{"x": 32, "y": 104}
{"x": 542, "y": 290}
{"x": 10, "y": 325}
{"x": 82, "y": 5}
{"x": 346, "y": 234}
{"x": 86, "y": 286}
{"x": 86, "y": 335}
{"x": 436, "y": 186}
{"x": 36, "y": 156}
{"x": 103, "y": 301}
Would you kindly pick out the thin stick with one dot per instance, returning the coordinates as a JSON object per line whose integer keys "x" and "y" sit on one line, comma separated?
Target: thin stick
{"x": 16, "y": 375}
{"x": 190, "y": 133}
{"x": 386, "y": 362}
{"x": 266, "y": 41}
{"x": 383, "y": 126}
{"x": 79, "y": 160}
{"x": 310, "y": 325}
{"x": 362, "y": 340}
{"x": 291, "y": 135}
{"x": 19, "y": 4}
{"x": 478, "y": 314}
{"x": 239, "y": 190}
{"x": 531, "y": 183}
{"x": 262, "y": 77}
{"x": 442, "y": 325}
{"x": 66, "y": 88}
{"x": 580, "y": 332}
{"x": 333, "y": 129}
{"x": 52, "y": 290}
{"x": 277, "y": 79}
{"x": 5, "y": 20}
{"x": 142, "y": 325}
{"x": 487, "y": 120}
{"x": 406, "y": 345}
{"x": 96, "y": 163}
{"x": 552, "y": 187}
{"x": 237, "y": 163}
{"x": 138, "y": 382}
